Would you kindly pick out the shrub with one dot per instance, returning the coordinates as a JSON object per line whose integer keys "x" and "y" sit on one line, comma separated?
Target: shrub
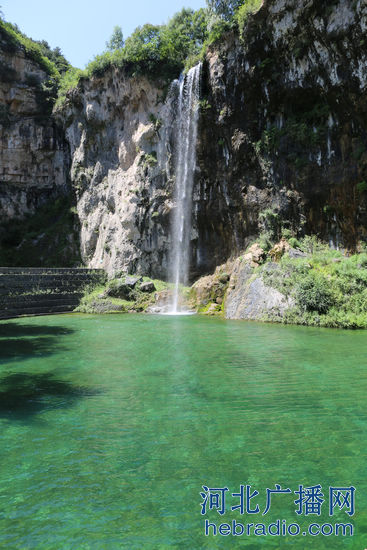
{"x": 69, "y": 80}
{"x": 361, "y": 186}
{"x": 158, "y": 51}
{"x": 313, "y": 294}
{"x": 271, "y": 223}
{"x": 294, "y": 243}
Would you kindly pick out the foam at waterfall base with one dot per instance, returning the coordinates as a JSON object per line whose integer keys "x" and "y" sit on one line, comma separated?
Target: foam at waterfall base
{"x": 167, "y": 311}
{"x": 178, "y": 313}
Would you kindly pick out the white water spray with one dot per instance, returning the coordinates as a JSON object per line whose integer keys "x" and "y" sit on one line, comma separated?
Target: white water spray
{"x": 184, "y": 141}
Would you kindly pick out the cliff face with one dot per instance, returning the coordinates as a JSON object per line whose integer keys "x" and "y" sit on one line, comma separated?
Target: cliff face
{"x": 112, "y": 126}
{"x": 34, "y": 158}
{"x": 282, "y": 144}
{"x": 283, "y": 133}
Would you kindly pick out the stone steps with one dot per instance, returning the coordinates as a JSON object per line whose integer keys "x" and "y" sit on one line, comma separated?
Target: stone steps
{"x": 42, "y": 291}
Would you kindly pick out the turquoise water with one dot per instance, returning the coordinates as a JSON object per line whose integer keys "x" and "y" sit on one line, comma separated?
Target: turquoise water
{"x": 110, "y": 426}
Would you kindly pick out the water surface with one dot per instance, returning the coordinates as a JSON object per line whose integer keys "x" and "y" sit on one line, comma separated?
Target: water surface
{"x": 110, "y": 425}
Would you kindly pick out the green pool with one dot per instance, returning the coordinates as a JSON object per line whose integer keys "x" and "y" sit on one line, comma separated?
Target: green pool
{"x": 110, "y": 426}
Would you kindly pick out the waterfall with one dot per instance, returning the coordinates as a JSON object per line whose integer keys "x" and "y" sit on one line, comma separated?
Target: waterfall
{"x": 184, "y": 147}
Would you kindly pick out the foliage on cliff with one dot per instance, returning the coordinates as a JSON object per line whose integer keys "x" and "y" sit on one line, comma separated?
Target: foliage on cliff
{"x": 51, "y": 61}
{"x": 163, "y": 51}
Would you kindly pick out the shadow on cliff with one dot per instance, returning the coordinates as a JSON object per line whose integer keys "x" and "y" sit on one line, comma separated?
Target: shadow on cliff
{"x": 20, "y": 341}
{"x": 22, "y": 396}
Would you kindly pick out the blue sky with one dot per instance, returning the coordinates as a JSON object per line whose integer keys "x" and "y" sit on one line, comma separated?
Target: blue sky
{"x": 81, "y": 27}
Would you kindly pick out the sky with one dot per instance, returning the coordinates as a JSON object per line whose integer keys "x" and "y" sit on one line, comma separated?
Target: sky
{"x": 82, "y": 27}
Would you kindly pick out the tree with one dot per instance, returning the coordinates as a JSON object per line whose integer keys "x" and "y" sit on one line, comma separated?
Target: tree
{"x": 184, "y": 35}
{"x": 116, "y": 42}
{"x": 224, "y": 8}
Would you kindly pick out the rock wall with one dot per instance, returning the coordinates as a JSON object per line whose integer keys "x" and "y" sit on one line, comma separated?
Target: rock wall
{"x": 113, "y": 128}
{"x": 34, "y": 157}
{"x": 283, "y": 129}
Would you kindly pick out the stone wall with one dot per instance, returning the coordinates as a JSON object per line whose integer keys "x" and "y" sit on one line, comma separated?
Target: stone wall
{"x": 38, "y": 291}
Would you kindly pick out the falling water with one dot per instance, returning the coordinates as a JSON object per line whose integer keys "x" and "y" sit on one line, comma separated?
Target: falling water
{"x": 184, "y": 142}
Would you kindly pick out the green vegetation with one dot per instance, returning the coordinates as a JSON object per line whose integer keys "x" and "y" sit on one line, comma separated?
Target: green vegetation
{"x": 328, "y": 288}
{"x": 12, "y": 39}
{"x": 362, "y": 186}
{"x": 5, "y": 116}
{"x": 157, "y": 51}
{"x": 163, "y": 51}
{"x": 50, "y": 60}
{"x": 270, "y": 222}
{"x": 116, "y": 42}
{"x": 98, "y": 300}
{"x": 305, "y": 130}
{"x": 69, "y": 80}
{"x": 226, "y": 9}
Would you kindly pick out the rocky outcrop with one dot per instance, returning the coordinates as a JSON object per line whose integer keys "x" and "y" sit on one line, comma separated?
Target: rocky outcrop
{"x": 237, "y": 290}
{"x": 248, "y": 297}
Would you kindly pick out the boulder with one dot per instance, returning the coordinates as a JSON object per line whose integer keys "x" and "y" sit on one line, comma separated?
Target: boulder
{"x": 255, "y": 255}
{"x": 248, "y": 297}
{"x": 147, "y": 287}
{"x": 255, "y": 300}
{"x": 132, "y": 281}
{"x": 120, "y": 289}
{"x": 295, "y": 253}
{"x": 279, "y": 250}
